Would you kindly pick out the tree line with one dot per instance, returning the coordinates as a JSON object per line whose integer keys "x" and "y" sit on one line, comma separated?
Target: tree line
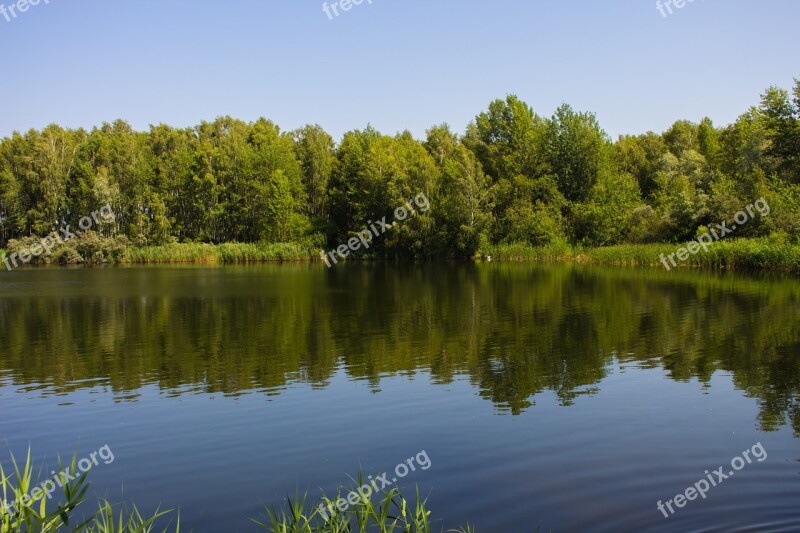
{"x": 513, "y": 176}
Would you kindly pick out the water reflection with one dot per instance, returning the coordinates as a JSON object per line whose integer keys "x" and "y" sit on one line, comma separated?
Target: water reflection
{"x": 515, "y": 330}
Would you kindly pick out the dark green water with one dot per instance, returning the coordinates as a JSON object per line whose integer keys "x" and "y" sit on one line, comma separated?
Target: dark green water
{"x": 569, "y": 397}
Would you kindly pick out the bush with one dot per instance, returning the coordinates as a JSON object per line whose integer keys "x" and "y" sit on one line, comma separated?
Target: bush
{"x": 88, "y": 247}
{"x": 94, "y": 248}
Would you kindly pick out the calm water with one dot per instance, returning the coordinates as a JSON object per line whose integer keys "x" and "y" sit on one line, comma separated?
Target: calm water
{"x": 571, "y": 398}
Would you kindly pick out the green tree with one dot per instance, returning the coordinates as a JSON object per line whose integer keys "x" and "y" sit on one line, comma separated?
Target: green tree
{"x": 315, "y": 150}
{"x": 578, "y": 152}
{"x": 783, "y": 124}
{"x": 466, "y": 196}
{"x": 708, "y": 143}
{"x": 682, "y": 136}
{"x": 282, "y": 222}
{"x": 509, "y": 139}
{"x": 641, "y": 156}
{"x": 511, "y": 177}
{"x": 681, "y": 198}
{"x": 172, "y": 154}
{"x": 608, "y": 216}
{"x": 441, "y": 143}
{"x": 745, "y": 146}
{"x": 351, "y": 192}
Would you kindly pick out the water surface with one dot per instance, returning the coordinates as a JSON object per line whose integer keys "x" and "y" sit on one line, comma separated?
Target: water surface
{"x": 567, "y": 397}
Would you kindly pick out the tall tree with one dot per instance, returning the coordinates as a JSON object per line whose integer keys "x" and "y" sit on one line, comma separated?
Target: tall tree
{"x": 783, "y": 123}
{"x": 466, "y": 203}
{"x": 510, "y": 139}
{"x": 641, "y": 156}
{"x": 708, "y": 142}
{"x": 578, "y": 152}
{"x": 315, "y": 150}
{"x": 682, "y": 136}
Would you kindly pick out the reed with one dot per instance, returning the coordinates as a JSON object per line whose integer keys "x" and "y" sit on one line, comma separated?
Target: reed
{"x": 557, "y": 251}
{"x": 109, "y": 520}
{"x": 39, "y": 515}
{"x": 36, "y": 514}
{"x": 390, "y": 513}
{"x": 772, "y": 254}
{"x": 221, "y": 253}
{"x": 172, "y": 253}
{"x": 745, "y": 254}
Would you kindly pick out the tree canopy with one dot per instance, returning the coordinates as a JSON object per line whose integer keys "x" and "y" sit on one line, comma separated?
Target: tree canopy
{"x": 512, "y": 176}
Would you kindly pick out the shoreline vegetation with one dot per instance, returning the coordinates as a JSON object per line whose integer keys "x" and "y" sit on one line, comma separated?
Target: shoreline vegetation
{"x": 768, "y": 254}
{"x": 68, "y": 512}
{"x": 558, "y": 185}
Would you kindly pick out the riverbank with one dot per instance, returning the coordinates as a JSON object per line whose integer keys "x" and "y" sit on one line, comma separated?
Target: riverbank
{"x": 90, "y": 248}
{"x": 747, "y": 254}
{"x": 219, "y": 253}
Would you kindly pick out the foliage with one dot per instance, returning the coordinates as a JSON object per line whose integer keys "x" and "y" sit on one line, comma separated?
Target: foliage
{"x": 513, "y": 176}
{"x": 221, "y": 253}
{"x": 607, "y": 217}
{"x": 773, "y": 253}
{"x": 38, "y": 516}
{"x": 392, "y": 512}
{"x": 87, "y": 248}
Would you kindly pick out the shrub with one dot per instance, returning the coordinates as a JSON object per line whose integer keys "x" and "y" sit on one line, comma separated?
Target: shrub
{"x": 88, "y": 247}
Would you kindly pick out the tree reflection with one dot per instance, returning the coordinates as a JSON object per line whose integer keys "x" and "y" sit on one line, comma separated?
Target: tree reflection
{"x": 516, "y": 331}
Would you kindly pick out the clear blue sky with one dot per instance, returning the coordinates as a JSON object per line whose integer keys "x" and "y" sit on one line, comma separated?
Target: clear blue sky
{"x": 398, "y": 64}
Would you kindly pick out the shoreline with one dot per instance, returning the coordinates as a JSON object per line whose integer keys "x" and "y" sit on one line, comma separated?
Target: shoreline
{"x": 742, "y": 254}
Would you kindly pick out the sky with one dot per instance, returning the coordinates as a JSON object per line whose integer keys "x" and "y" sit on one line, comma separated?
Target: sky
{"x": 396, "y": 64}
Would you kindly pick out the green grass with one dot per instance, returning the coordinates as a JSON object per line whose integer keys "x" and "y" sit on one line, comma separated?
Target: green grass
{"x": 220, "y": 253}
{"x": 760, "y": 254}
{"x": 525, "y": 252}
{"x": 391, "y": 512}
{"x": 773, "y": 254}
{"x": 42, "y": 516}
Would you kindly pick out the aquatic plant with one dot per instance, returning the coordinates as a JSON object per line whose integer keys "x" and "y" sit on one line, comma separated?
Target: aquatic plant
{"x": 392, "y": 512}
{"x": 25, "y": 508}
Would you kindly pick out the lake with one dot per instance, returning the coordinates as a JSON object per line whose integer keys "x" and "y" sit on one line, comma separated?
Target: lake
{"x": 566, "y": 397}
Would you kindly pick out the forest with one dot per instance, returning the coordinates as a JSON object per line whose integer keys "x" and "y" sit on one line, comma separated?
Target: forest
{"x": 513, "y": 177}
